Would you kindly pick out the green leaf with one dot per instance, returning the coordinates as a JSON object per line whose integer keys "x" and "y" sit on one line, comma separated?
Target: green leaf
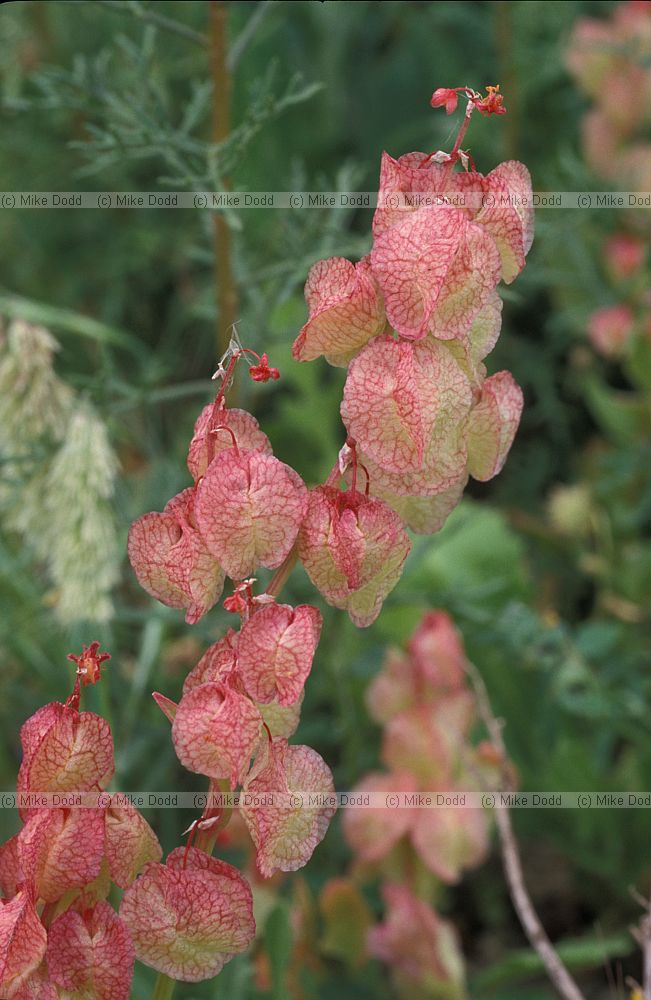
{"x": 579, "y": 955}
{"x": 278, "y": 943}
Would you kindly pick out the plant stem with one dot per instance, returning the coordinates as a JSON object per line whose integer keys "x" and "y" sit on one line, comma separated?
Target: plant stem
{"x": 282, "y": 574}
{"x": 529, "y": 919}
{"x": 151, "y": 17}
{"x": 164, "y": 987}
{"x": 248, "y": 33}
{"x": 221, "y": 126}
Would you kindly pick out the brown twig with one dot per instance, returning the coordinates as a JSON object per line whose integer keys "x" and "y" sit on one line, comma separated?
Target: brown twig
{"x": 529, "y": 919}
{"x": 221, "y": 126}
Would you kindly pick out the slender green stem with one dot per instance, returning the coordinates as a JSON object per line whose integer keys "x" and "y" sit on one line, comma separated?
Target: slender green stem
{"x": 142, "y": 13}
{"x": 164, "y": 987}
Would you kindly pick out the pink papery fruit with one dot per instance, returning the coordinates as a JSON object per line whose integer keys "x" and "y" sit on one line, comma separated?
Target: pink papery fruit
{"x": 591, "y": 54}
{"x": 372, "y": 832}
{"x": 437, "y": 653}
{"x": 130, "y": 843}
{"x": 426, "y": 740}
{"x": 436, "y": 270}
{"x": 275, "y": 651}
{"x": 249, "y": 508}
{"x": 625, "y": 255}
{"x": 188, "y": 917}
{"x": 507, "y": 214}
{"x": 11, "y": 872}
{"x": 501, "y": 203}
{"x": 216, "y": 730}
{"x": 346, "y": 311}
{"x": 450, "y": 840}
{"x": 62, "y": 849}
{"x": 23, "y": 941}
{"x": 393, "y": 689}
{"x": 420, "y": 948}
{"x": 37, "y": 986}
{"x": 64, "y": 750}
{"x": 610, "y": 329}
{"x": 216, "y": 664}
{"x": 287, "y": 805}
{"x": 422, "y": 514}
{"x": 210, "y": 439}
{"x": 471, "y": 347}
{"x": 91, "y": 955}
{"x": 400, "y": 179}
{"x": 403, "y": 404}
{"x": 171, "y": 560}
{"x": 492, "y": 425}
{"x": 432, "y": 667}
{"x": 219, "y": 662}
{"x": 353, "y": 548}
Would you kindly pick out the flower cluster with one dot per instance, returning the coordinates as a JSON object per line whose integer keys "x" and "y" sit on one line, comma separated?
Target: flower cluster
{"x": 241, "y": 702}
{"x": 413, "y": 322}
{"x": 427, "y": 712}
{"x": 609, "y": 59}
{"x": 421, "y": 699}
{"x": 58, "y": 934}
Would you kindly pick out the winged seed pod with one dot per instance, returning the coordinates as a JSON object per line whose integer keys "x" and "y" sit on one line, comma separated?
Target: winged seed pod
{"x": 213, "y": 434}
{"x": 275, "y": 650}
{"x": 23, "y": 941}
{"x": 91, "y": 954}
{"x": 218, "y": 662}
{"x": 58, "y": 936}
{"x": 285, "y": 834}
{"x": 422, "y": 700}
{"x": 418, "y": 946}
{"x": 172, "y": 561}
{"x": 249, "y": 507}
{"x": 353, "y": 548}
{"x": 190, "y": 916}
{"x": 216, "y": 731}
{"x": 346, "y": 311}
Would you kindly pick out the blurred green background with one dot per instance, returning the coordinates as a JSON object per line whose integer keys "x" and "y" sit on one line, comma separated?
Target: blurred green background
{"x": 553, "y": 602}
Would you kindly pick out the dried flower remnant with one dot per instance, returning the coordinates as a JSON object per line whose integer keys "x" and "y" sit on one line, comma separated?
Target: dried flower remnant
{"x": 89, "y": 663}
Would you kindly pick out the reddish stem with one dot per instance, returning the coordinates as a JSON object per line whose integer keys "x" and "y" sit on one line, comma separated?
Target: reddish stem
{"x": 223, "y": 427}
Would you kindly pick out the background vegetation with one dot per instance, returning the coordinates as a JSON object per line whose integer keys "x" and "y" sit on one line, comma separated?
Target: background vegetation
{"x": 549, "y": 585}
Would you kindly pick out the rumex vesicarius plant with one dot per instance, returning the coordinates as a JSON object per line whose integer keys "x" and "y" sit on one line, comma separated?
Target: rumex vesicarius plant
{"x": 413, "y": 322}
